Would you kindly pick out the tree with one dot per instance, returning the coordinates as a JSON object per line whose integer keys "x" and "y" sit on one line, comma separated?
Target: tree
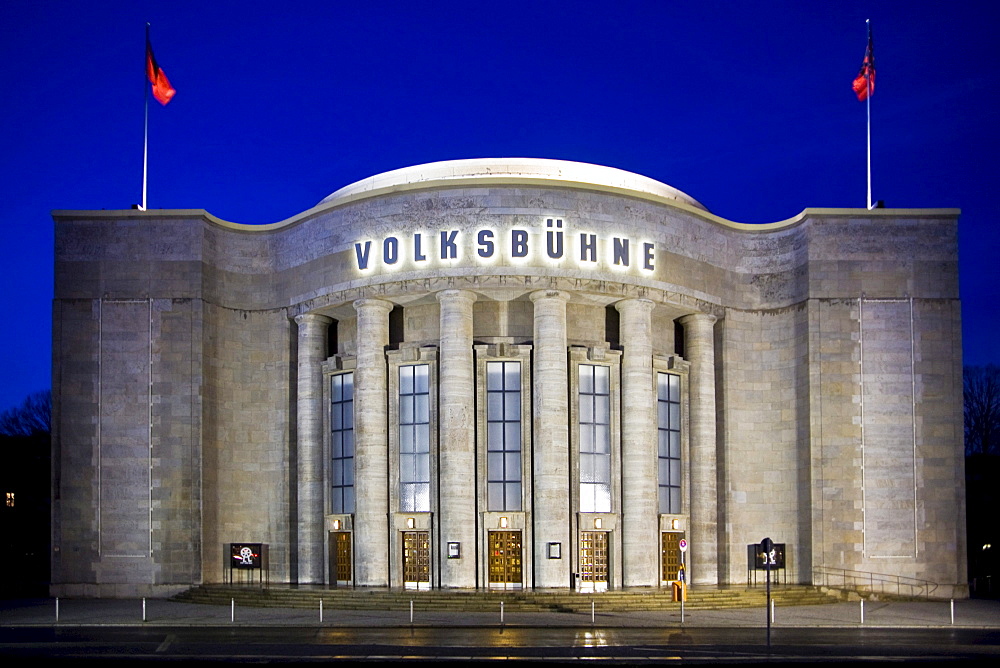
{"x": 33, "y": 417}
{"x": 981, "y": 392}
{"x": 25, "y": 483}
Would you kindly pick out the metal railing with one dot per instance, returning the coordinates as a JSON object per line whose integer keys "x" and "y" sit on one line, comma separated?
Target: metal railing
{"x": 880, "y": 583}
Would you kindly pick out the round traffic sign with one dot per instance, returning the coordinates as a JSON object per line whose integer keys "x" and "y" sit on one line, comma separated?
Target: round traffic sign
{"x": 683, "y": 544}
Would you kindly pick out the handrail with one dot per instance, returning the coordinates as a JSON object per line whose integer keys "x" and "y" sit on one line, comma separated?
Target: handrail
{"x": 862, "y": 581}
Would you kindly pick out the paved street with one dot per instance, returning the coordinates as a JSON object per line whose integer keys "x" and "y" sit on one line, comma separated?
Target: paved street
{"x": 101, "y": 629}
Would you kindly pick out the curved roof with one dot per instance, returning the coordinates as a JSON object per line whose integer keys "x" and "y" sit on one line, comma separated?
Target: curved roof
{"x": 513, "y": 170}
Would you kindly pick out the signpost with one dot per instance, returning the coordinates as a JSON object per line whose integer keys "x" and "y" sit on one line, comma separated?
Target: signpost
{"x": 767, "y": 549}
{"x": 683, "y": 545}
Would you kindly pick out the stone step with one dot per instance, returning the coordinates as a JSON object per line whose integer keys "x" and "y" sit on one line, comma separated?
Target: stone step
{"x": 479, "y": 601}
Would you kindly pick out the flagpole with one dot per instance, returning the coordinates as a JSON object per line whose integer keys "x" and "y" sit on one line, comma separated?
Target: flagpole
{"x": 145, "y": 130}
{"x": 868, "y": 109}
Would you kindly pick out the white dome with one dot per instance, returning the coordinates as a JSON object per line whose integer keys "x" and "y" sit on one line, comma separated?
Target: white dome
{"x": 513, "y": 170}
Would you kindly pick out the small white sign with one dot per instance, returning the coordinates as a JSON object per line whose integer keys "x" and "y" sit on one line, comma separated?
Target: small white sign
{"x": 683, "y": 544}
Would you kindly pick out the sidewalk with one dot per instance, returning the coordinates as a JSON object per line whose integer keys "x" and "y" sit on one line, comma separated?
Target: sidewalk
{"x": 969, "y": 613}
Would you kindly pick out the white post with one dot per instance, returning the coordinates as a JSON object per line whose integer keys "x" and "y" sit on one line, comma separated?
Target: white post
{"x": 321, "y": 611}
{"x": 772, "y": 611}
{"x": 143, "y": 609}
{"x": 232, "y": 610}
{"x": 57, "y": 608}
{"x": 411, "y": 611}
{"x": 952, "y": 612}
{"x": 501, "y": 613}
{"x": 862, "y": 611}
{"x": 591, "y": 613}
{"x": 682, "y": 609}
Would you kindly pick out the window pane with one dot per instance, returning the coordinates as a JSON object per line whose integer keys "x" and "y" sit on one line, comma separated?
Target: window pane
{"x": 602, "y": 469}
{"x": 406, "y": 472}
{"x": 512, "y": 466}
{"x": 406, "y": 380}
{"x": 423, "y": 498}
{"x": 422, "y": 441}
{"x": 513, "y": 440}
{"x": 602, "y": 410}
{"x": 494, "y": 492}
{"x": 602, "y": 498}
{"x": 421, "y": 409}
{"x": 494, "y": 466}
{"x": 420, "y": 379}
{"x": 602, "y": 438}
{"x": 512, "y": 406}
{"x": 513, "y": 496}
{"x": 494, "y": 436}
{"x": 586, "y": 408}
{"x": 494, "y": 406}
{"x": 587, "y": 498}
{"x": 602, "y": 380}
{"x": 586, "y": 379}
{"x": 494, "y": 376}
{"x": 512, "y": 376}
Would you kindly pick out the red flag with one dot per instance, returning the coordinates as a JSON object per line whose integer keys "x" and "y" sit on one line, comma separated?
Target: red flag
{"x": 864, "y": 83}
{"x": 162, "y": 90}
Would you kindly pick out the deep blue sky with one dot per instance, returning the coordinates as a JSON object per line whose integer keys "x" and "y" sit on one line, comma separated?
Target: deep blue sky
{"x": 746, "y": 106}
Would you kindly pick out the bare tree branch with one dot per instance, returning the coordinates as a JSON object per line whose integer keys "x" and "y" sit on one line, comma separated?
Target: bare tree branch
{"x": 981, "y": 392}
{"x": 33, "y": 416}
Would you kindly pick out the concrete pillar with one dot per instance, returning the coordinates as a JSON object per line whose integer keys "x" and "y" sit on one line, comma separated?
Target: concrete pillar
{"x": 699, "y": 342}
{"x": 312, "y": 351}
{"x": 371, "y": 461}
{"x": 550, "y": 470}
{"x": 457, "y": 438}
{"x": 640, "y": 498}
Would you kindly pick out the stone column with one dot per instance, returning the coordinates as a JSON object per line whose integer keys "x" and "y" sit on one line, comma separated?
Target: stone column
{"x": 640, "y": 497}
{"x": 457, "y": 438}
{"x": 371, "y": 462}
{"x": 550, "y": 470}
{"x": 699, "y": 341}
{"x": 309, "y": 427}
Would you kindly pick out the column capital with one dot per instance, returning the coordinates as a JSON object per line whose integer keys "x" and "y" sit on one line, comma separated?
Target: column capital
{"x": 454, "y": 295}
{"x": 641, "y": 302}
{"x": 373, "y": 304}
{"x": 698, "y": 319}
{"x": 549, "y": 294}
{"x": 312, "y": 318}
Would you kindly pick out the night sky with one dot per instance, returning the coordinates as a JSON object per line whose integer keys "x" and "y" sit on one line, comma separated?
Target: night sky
{"x": 745, "y": 106}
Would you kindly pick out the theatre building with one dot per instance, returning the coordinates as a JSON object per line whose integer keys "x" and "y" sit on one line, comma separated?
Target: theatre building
{"x": 505, "y": 373}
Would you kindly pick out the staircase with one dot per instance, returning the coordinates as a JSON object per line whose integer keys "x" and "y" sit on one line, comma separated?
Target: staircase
{"x": 638, "y": 600}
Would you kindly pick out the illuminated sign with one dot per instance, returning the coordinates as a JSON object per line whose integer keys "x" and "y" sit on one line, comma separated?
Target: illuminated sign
{"x": 425, "y": 248}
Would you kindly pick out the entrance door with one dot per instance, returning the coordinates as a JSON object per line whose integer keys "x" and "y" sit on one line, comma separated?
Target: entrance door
{"x": 594, "y": 560}
{"x": 670, "y": 555}
{"x": 504, "y": 565}
{"x": 416, "y": 560}
{"x": 340, "y": 557}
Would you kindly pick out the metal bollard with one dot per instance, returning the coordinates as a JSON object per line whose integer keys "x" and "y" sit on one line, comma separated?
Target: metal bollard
{"x": 143, "y": 609}
{"x": 591, "y": 613}
{"x": 411, "y": 612}
{"x": 57, "y": 608}
{"x": 232, "y": 610}
{"x": 952, "y": 612}
{"x": 321, "y": 611}
{"x": 501, "y": 613}
{"x": 862, "y": 611}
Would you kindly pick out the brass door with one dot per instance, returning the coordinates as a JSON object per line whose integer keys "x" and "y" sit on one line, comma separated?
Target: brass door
{"x": 340, "y": 557}
{"x": 593, "y": 559}
{"x": 416, "y": 558}
{"x": 670, "y": 554}
{"x": 504, "y": 565}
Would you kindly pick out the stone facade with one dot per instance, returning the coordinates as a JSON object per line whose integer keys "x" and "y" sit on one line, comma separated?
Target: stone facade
{"x": 508, "y": 333}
